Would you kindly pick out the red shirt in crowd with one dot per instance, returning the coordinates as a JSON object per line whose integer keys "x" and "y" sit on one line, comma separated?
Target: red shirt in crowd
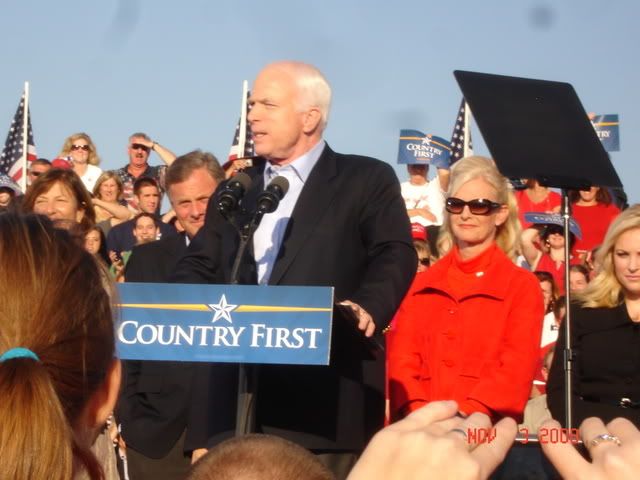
{"x": 467, "y": 331}
{"x": 594, "y": 222}
{"x": 549, "y": 205}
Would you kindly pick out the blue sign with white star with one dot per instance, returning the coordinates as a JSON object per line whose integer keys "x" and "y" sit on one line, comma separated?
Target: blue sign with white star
{"x": 224, "y": 323}
{"x": 417, "y": 147}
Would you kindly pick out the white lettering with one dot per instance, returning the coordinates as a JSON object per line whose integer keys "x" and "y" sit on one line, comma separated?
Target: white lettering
{"x": 121, "y": 332}
{"x": 172, "y": 332}
{"x": 312, "y": 336}
{"x": 181, "y": 334}
{"x": 152, "y": 339}
{"x": 257, "y": 332}
{"x": 203, "y": 334}
{"x": 236, "y": 335}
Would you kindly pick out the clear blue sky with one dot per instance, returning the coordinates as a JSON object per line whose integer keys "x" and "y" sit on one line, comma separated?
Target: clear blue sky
{"x": 174, "y": 69}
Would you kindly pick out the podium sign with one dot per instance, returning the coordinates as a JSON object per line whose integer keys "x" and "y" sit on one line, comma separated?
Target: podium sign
{"x": 224, "y": 323}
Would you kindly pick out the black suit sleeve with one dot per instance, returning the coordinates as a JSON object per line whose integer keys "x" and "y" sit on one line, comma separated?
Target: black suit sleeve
{"x": 385, "y": 231}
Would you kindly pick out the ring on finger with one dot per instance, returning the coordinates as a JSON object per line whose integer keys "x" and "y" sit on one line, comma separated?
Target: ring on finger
{"x": 460, "y": 431}
{"x": 604, "y": 437}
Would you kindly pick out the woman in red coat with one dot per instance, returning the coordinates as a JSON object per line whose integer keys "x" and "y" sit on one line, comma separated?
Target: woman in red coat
{"x": 469, "y": 329}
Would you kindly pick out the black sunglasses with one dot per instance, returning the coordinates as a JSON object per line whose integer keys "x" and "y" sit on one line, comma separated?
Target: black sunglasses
{"x": 139, "y": 146}
{"x": 425, "y": 261}
{"x": 86, "y": 148}
{"x": 477, "y": 206}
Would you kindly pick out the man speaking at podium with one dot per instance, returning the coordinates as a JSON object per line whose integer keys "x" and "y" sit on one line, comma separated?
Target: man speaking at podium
{"x": 342, "y": 223}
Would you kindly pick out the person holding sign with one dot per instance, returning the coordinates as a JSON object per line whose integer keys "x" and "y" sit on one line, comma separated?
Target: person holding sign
{"x": 343, "y": 224}
{"x": 441, "y": 348}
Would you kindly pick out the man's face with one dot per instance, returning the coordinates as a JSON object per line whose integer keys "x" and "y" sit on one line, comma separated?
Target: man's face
{"x": 190, "y": 198}
{"x": 145, "y": 230}
{"x": 276, "y": 122}
{"x": 35, "y": 171}
{"x": 138, "y": 153}
{"x": 148, "y": 199}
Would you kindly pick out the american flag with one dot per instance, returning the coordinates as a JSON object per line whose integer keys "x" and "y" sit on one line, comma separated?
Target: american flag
{"x": 249, "y": 151}
{"x": 10, "y": 159}
{"x": 460, "y": 129}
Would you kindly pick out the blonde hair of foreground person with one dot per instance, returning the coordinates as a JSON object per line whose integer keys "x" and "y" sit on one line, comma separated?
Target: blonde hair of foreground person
{"x": 605, "y": 290}
{"x": 54, "y": 401}
{"x": 471, "y": 168}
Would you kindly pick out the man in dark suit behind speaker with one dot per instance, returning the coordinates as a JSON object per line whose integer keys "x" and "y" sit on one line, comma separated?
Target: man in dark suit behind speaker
{"x": 156, "y": 396}
{"x": 343, "y": 224}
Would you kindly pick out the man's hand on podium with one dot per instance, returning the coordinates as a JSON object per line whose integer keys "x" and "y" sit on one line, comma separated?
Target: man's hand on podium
{"x": 365, "y": 321}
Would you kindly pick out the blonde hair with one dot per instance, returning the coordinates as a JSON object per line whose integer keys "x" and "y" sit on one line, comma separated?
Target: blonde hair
{"x": 93, "y": 159}
{"x": 471, "y": 168}
{"x": 605, "y": 289}
{"x": 108, "y": 175}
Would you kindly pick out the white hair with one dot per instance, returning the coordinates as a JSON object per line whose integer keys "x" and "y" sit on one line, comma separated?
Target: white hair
{"x": 313, "y": 88}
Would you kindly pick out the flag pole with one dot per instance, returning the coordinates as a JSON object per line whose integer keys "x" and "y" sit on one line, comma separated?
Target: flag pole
{"x": 467, "y": 127}
{"x": 243, "y": 120}
{"x": 25, "y": 138}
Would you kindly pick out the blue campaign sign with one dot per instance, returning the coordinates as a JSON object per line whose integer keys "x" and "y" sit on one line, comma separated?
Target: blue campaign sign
{"x": 608, "y": 129}
{"x": 416, "y": 147}
{"x": 224, "y": 323}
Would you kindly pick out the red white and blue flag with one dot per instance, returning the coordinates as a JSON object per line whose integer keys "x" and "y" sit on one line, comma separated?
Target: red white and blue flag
{"x": 461, "y": 145}
{"x": 11, "y": 159}
{"x": 242, "y": 145}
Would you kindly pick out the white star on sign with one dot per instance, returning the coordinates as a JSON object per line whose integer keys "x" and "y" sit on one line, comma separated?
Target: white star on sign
{"x": 222, "y": 309}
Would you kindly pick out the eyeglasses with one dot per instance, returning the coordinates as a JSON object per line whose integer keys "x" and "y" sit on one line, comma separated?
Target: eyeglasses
{"x": 477, "y": 206}
{"x": 86, "y": 148}
{"x": 139, "y": 146}
{"x": 35, "y": 174}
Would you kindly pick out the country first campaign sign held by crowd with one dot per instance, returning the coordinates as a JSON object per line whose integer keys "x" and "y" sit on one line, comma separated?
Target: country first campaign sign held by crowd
{"x": 224, "y": 323}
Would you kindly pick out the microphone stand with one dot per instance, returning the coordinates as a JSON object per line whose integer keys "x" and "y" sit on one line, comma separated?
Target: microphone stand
{"x": 568, "y": 353}
{"x": 247, "y": 374}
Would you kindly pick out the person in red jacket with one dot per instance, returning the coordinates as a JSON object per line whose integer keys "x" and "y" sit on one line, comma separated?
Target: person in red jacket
{"x": 594, "y": 211}
{"x": 469, "y": 330}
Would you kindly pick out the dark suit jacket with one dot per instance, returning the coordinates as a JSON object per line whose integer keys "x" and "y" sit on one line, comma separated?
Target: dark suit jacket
{"x": 155, "y": 398}
{"x": 350, "y": 230}
{"x": 606, "y": 344}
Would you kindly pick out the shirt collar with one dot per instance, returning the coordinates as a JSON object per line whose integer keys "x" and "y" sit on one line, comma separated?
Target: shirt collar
{"x": 301, "y": 166}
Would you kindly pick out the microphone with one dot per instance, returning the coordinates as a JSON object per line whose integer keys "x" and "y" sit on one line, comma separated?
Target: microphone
{"x": 270, "y": 198}
{"x": 232, "y": 193}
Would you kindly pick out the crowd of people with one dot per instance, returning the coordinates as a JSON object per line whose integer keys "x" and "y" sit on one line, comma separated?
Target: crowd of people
{"x": 467, "y": 293}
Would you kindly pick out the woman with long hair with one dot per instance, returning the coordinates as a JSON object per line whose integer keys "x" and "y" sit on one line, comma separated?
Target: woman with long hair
{"x": 605, "y": 335}
{"x": 61, "y": 196}
{"x": 469, "y": 329}
{"x": 107, "y": 198}
{"x": 59, "y": 379}
{"x": 79, "y": 148}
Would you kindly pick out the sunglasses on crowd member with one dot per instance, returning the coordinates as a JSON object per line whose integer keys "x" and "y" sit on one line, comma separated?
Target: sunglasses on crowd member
{"x": 551, "y": 229}
{"x": 425, "y": 261}
{"x": 35, "y": 174}
{"x": 139, "y": 146}
{"x": 477, "y": 206}
{"x": 86, "y": 148}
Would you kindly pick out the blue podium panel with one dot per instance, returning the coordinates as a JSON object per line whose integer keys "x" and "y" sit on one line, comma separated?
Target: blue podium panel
{"x": 224, "y": 323}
